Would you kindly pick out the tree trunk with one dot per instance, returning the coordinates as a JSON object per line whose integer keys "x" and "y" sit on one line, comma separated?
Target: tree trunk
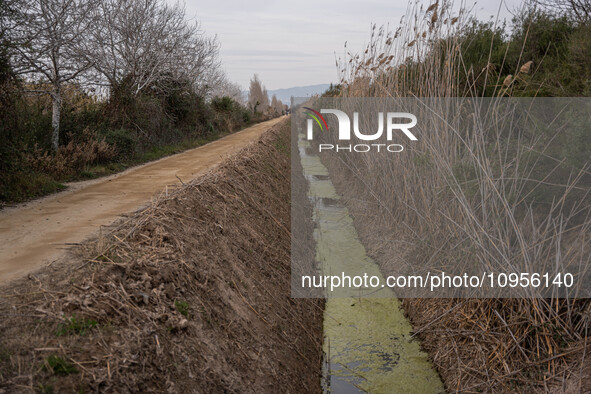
{"x": 56, "y": 97}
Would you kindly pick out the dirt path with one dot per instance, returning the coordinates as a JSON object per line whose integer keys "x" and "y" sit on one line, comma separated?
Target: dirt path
{"x": 37, "y": 232}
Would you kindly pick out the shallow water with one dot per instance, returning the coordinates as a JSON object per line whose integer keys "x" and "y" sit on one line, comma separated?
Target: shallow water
{"x": 367, "y": 341}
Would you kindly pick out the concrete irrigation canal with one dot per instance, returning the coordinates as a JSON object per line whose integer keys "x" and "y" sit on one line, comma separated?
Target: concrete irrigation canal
{"x": 367, "y": 339}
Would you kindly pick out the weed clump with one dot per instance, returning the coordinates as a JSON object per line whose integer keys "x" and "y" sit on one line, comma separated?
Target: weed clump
{"x": 75, "y": 325}
{"x": 59, "y": 366}
{"x": 182, "y": 307}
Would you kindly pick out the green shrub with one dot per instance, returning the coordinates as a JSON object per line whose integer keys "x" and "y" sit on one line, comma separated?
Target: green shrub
{"x": 21, "y": 186}
{"x": 223, "y": 104}
{"x": 246, "y": 116}
{"x": 124, "y": 141}
{"x": 558, "y": 48}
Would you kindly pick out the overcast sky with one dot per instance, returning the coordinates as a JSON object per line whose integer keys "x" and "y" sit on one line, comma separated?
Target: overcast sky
{"x": 294, "y": 43}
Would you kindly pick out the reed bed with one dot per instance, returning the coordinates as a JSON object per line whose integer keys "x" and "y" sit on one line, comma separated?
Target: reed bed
{"x": 492, "y": 193}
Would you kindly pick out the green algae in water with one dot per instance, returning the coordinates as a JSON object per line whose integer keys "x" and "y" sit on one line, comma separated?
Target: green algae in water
{"x": 323, "y": 189}
{"x": 369, "y": 345}
{"x": 313, "y": 166}
{"x": 368, "y": 342}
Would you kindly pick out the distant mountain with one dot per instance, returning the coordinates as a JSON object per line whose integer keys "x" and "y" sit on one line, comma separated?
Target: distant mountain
{"x": 299, "y": 91}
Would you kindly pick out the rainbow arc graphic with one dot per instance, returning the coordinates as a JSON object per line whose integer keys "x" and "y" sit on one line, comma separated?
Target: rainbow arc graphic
{"x": 317, "y": 117}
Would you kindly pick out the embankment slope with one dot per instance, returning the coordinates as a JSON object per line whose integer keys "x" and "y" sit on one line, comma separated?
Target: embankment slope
{"x": 190, "y": 295}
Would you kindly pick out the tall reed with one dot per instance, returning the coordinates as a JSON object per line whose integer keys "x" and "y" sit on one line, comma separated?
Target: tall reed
{"x": 491, "y": 192}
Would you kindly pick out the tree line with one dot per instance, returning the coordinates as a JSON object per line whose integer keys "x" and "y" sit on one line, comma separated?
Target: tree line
{"x": 258, "y": 99}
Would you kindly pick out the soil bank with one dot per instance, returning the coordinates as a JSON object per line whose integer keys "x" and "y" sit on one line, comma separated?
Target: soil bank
{"x": 191, "y": 294}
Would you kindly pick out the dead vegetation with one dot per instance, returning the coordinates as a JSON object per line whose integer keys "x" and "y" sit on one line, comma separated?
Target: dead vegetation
{"x": 70, "y": 158}
{"x": 478, "y": 345}
{"x": 466, "y": 197}
{"x": 189, "y": 295}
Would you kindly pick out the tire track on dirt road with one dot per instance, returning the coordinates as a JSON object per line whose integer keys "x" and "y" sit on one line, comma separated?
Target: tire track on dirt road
{"x": 37, "y": 232}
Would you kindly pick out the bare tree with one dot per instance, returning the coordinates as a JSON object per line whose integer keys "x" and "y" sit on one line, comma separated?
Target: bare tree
{"x": 140, "y": 41}
{"x": 580, "y": 10}
{"x": 49, "y": 36}
{"x": 265, "y": 101}
{"x": 280, "y": 107}
{"x": 228, "y": 89}
{"x": 206, "y": 80}
{"x": 258, "y": 100}
{"x": 276, "y": 106}
{"x": 10, "y": 18}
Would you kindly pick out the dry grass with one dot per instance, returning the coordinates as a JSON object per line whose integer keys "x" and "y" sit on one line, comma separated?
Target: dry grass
{"x": 71, "y": 158}
{"x": 460, "y": 197}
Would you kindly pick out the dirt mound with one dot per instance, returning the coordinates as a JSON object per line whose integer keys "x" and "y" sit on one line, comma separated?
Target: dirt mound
{"x": 189, "y": 295}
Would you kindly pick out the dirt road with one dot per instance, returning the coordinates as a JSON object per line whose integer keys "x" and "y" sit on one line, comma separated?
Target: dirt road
{"x": 37, "y": 232}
